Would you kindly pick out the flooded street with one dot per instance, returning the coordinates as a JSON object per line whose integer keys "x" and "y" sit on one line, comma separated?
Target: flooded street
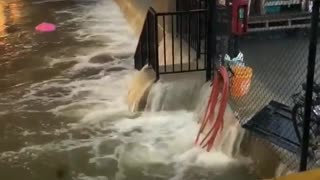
{"x": 63, "y": 113}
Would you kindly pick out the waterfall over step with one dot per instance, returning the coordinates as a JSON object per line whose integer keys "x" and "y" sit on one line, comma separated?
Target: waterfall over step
{"x": 139, "y": 88}
{"x": 175, "y": 93}
{"x": 236, "y": 142}
{"x": 189, "y": 91}
{"x": 229, "y": 140}
{"x": 172, "y": 95}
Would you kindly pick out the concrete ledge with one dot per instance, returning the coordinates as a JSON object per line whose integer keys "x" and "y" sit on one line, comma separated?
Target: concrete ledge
{"x": 135, "y": 10}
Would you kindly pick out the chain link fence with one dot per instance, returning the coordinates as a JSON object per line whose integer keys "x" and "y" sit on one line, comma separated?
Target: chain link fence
{"x": 268, "y": 93}
{"x": 279, "y": 65}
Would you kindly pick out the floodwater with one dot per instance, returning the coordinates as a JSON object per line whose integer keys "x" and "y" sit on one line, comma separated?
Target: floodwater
{"x": 63, "y": 116}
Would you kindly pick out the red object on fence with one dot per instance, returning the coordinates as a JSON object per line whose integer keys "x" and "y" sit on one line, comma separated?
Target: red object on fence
{"x": 220, "y": 82}
{"x": 239, "y": 17}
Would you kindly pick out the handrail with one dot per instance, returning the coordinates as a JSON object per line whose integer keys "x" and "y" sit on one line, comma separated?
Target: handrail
{"x": 181, "y": 12}
{"x": 190, "y": 31}
{"x": 145, "y": 52}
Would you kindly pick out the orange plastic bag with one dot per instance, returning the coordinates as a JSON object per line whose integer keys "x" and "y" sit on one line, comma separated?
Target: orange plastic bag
{"x": 241, "y": 81}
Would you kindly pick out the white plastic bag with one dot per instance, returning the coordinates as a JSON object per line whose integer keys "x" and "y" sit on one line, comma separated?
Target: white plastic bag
{"x": 238, "y": 60}
{"x": 310, "y": 6}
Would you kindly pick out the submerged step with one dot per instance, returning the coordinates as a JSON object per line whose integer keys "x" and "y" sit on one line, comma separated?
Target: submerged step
{"x": 274, "y": 124}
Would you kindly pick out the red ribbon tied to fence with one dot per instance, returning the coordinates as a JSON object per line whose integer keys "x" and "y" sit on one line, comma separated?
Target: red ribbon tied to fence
{"x": 220, "y": 83}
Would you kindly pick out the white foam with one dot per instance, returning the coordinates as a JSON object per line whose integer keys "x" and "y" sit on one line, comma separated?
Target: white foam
{"x": 46, "y": 1}
{"x": 84, "y": 177}
{"x": 166, "y": 138}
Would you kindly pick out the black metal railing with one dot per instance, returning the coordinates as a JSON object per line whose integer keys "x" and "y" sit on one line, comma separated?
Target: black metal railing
{"x": 172, "y": 42}
{"x": 222, "y": 26}
{"x": 184, "y": 5}
{"x": 182, "y": 49}
{"x": 148, "y": 43}
{"x": 198, "y": 23}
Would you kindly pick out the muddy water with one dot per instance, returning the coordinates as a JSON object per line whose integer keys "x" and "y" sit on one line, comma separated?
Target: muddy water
{"x": 63, "y": 114}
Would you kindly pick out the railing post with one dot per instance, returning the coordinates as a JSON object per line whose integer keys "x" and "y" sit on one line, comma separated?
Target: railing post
{"x": 233, "y": 40}
{"x": 310, "y": 80}
{"x": 148, "y": 38}
{"x": 212, "y": 38}
{"x": 156, "y": 43}
{"x": 233, "y": 45}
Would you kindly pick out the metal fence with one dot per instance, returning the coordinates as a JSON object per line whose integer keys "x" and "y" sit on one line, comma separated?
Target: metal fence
{"x": 268, "y": 94}
{"x": 182, "y": 50}
{"x": 170, "y": 42}
{"x": 198, "y": 24}
{"x": 175, "y": 42}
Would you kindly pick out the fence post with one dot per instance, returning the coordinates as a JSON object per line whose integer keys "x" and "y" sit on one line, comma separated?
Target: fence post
{"x": 212, "y": 36}
{"x": 310, "y": 80}
{"x": 236, "y": 45}
{"x": 156, "y": 45}
{"x": 148, "y": 37}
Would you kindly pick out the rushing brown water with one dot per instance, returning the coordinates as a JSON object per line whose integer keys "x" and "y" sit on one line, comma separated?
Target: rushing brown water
{"x": 63, "y": 114}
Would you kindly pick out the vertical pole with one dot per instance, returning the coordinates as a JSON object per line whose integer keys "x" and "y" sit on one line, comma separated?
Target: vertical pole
{"x": 178, "y": 8}
{"x": 181, "y": 35}
{"x": 156, "y": 43}
{"x": 164, "y": 42}
{"x": 212, "y": 38}
{"x": 148, "y": 39}
{"x": 189, "y": 42}
{"x": 232, "y": 39}
{"x": 198, "y": 33}
{"x": 172, "y": 41}
{"x": 236, "y": 46}
{"x": 306, "y": 8}
{"x": 310, "y": 79}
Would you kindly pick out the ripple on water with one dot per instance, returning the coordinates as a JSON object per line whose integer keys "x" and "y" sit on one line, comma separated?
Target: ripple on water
{"x": 101, "y": 59}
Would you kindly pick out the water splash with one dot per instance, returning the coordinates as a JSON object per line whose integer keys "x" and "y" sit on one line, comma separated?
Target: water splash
{"x": 174, "y": 95}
